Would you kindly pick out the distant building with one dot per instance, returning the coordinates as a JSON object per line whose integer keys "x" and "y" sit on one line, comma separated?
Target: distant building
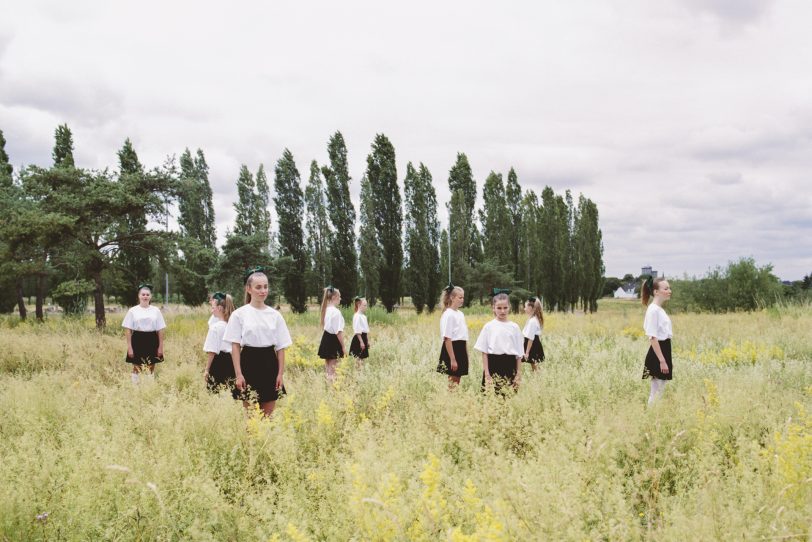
{"x": 649, "y": 271}
{"x": 620, "y": 293}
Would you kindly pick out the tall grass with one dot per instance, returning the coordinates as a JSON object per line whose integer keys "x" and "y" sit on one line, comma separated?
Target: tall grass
{"x": 390, "y": 454}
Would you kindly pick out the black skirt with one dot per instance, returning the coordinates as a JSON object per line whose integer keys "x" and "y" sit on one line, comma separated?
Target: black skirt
{"x": 355, "y": 347}
{"x": 330, "y": 347}
{"x": 536, "y": 350}
{"x": 260, "y": 367}
{"x": 221, "y": 373}
{"x": 460, "y": 354}
{"x": 651, "y": 368}
{"x": 503, "y": 371}
{"x": 145, "y": 348}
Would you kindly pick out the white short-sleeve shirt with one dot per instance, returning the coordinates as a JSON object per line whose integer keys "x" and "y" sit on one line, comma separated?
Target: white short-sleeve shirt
{"x": 453, "y": 326}
{"x": 500, "y": 338}
{"x": 333, "y": 320}
{"x": 257, "y": 327}
{"x": 532, "y": 328}
{"x": 657, "y": 323}
{"x": 359, "y": 323}
{"x": 214, "y": 339}
{"x": 140, "y": 319}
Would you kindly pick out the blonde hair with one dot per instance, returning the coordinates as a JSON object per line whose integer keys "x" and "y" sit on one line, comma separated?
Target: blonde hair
{"x": 447, "y": 296}
{"x": 358, "y": 302}
{"x": 329, "y": 295}
{"x": 248, "y": 282}
{"x": 537, "y": 310}
{"x": 645, "y": 293}
{"x": 227, "y": 304}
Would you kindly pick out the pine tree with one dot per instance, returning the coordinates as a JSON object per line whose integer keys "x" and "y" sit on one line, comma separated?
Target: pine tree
{"x": 245, "y": 207}
{"x": 382, "y": 176}
{"x": 261, "y": 213}
{"x": 289, "y": 202}
{"x": 342, "y": 216}
{"x": 63, "y": 147}
{"x": 369, "y": 249}
{"x": 318, "y": 231}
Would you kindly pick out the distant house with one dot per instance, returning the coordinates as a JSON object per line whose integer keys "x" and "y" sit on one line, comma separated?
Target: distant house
{"x": 620, "y": 293}
{"x": 648, "y": 271}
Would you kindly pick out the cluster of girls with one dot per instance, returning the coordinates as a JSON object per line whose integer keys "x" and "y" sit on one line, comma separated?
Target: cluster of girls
{"x": 245, "y": 347}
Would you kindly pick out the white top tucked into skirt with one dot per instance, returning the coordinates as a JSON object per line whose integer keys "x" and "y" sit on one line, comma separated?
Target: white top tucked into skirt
{"x": 257, "y": 327}
{"x": 532, "y": 328}
{"x": 333, "y": 320}
{"x": 500, "y": 338}
{"x": 453, "y": 326}
{"x": 214, "y": 339}
{"x": 359, "y": 324}
{"x": 657, "y": 323}
{"x": 141, "y": 319}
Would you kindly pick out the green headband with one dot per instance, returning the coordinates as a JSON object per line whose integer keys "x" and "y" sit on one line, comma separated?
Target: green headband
{"x": 249, "y": 272}
{"x": 146, "y": 285}
{"x": 219, "y": 296}
{"x": 497, "y": 291}
{"x": 532, "y": 299}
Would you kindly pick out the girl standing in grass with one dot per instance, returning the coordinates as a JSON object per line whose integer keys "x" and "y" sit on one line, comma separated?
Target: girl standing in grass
{"x": 219, "y": 367}
{"x": 500, "y": 342}
{"x": 144, "y": 328}
{"x": 258, "y": 336}
{"x": 657, "y": 325}
{"x": 533, "y": 350}
{"x": 359, "y": 347}
{"x": 332, "y": 340}
{"x": 454, "y": 334}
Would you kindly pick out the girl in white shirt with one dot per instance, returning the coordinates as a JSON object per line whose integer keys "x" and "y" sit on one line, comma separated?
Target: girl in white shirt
{"x": 359, "y": 347}
{"x": 219, "y": 367}
{"x": 144, "y": 328}
{"x": 533, "y": 350}
{"x": 258, "y": 336}
{"x": 332, "y": 340}
{"x": 500, "y": 342}
{"x": 657, "y": 325}
{"x": 454, "y": 334}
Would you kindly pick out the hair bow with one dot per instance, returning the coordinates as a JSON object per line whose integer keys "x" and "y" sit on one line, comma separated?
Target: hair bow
{"x": 650, "y": 283}
{"x": 532, "y": 299}
{"x": 330, "y": 288}
{"x": 357, "y": 298}
{"x": 450, "y": 288}
{"x": 497, "y": 291}
{"x": 146, "y": 285}
{"x": 249, "y": 272}
{"x": 219, "y": 296}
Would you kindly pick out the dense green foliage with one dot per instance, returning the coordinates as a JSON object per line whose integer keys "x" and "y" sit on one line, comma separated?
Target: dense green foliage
{"x": 422, "y": 238}
{"x": 289, "y": 202}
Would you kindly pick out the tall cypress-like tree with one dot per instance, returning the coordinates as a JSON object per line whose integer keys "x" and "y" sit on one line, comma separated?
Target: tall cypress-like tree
{"x": 342, "y": 216}
{"x": 209, "y": 230}
{"x": 370, "y": 258}
{"x": 497, "y": 242}
{"x": 63, "y": 147}
{"x": 134, "y": 266}
{"x": 461, "y": 178}
{"x": 529, "y": 244}
{"x": 6, "y": 169}
{"x": 433, "y": 224}
{"x": 382, "y": 176}
{"x": 289, "y": 202}
{"x": 422, "y": 238}
{"x": 550, "y": 262}
{"x": 262, "y": 201}
{"x": 318, "y": 231}
{"x": 589, "y": 246}
{"x": 513, "y": 195}
{"x": 245, "y": 206}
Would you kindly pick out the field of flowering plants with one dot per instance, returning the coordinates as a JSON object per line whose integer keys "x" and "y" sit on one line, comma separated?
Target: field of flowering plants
{"x": 388, "y": 453}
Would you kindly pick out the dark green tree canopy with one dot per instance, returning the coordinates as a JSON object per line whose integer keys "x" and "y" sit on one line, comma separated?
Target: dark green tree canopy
{"x": 289, "y": 203}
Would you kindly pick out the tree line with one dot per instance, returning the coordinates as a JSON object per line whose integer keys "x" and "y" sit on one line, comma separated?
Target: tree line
{"x": 73, "y": 233}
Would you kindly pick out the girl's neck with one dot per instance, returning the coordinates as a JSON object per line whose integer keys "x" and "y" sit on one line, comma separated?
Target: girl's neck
{"x": 500, "y": 319}
{"x": 143, "y": 306}
{"x": 659, "y": 301}
{"x": 257, "y": 303}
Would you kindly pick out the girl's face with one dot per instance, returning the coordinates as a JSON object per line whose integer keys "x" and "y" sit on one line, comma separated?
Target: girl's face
{"x": 217, "y": 309}
{"x": 258, "y": 289}
{"x": 212, "y": 304}
{"x": 336, "y": 299}
{"x": 501, "y": 309}
{"x": 144, "y": 296}
{"x": 363, "y": 306}
{"x": 528, "y": 308}
{"x": 664, "y": 291}
{"x": 457, "y": 300}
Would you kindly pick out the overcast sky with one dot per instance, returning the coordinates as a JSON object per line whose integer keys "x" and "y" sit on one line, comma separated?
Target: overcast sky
{"x": 688, "y": 122}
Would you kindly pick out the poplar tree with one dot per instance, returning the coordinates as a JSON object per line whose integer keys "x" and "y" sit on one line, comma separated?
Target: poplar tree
{"x": 6, "y": 169}
{"x": 466, "y": 249}
{"x": 369, "y": 250}
{"x": 209, "y": 231}
{"x": 422, "y": 238}
{"x": 318, "y": 231}
{"x": 382, "y": 176}
{"x": 529, "y": 243}
{"x": 551, "y": 284}
{"x": 261, "y": 213}
{"x": 342, "y": 217}
{"x": 513, "y": 196}
{"x": 245, "y": 207}
{"x": 63, "y": 147}
{"x": 433, "y": 224}
{"x": 289, "y": 202}
{"x": 497, "y": 243}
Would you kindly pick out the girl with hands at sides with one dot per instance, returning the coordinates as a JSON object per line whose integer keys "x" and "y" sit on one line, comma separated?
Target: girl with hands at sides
{"x": 219, "y": 364}
{"x": 454, "y": 334}
{"x": 332, "y": 340}
{"x": 533, "y": 351}
{"x": 359, "y": 347}
{"x": 657, "y": 325}
{"x": 144, "y": 328}
{"x": 500, "y": 342}
{"x": 258, "y": 336}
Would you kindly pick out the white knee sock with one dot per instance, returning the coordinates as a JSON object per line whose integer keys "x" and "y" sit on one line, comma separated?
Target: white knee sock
{"x": 657, "y": 388}
{"x": 134, "y": 377}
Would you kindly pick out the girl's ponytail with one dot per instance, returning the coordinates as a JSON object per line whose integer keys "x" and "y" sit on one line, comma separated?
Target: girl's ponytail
{"x": 537, "y": 312}
{"x": 228, "y": 307}
{"x": 329, "y": 293}
{"x": 650, "y": 285}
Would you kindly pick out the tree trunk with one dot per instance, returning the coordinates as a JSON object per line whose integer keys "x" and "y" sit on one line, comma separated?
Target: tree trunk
{"x": 21, "y": 300}
{"x": 40, "y": 296}
{"x": 98, "y": 301}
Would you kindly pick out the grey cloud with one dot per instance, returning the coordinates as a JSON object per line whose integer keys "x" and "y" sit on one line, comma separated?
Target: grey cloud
{"x": 735, "y": 11}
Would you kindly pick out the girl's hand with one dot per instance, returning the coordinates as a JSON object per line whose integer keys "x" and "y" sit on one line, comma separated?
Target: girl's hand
{"x": 488, "y": 379}
{"x": 454, "y": 365}
{"x": 363, "y": 347}
{"x": 240, "y": 382}
{"x": 206, "y": 375}
{"x": 279, "y": 382}
{"x": 130, "y": 353}
{"x": 160, "y": 351}
{"x": 664, "y": 367}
